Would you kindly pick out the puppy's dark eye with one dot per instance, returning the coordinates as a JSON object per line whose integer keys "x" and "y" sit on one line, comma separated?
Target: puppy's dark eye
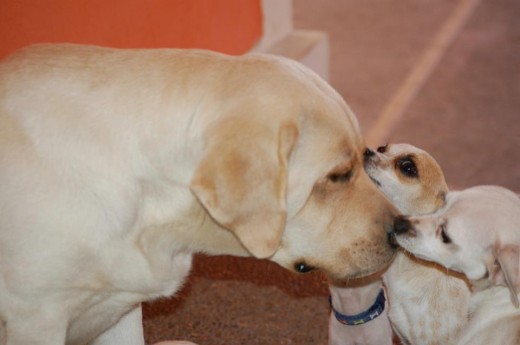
{"x": 407, "y": 166}
{"x": 444, "y": 236}
{"x": 341, "y": 177}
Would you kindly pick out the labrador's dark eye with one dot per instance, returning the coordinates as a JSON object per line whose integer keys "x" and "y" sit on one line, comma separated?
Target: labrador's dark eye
{"x": 302, "y": 267}
{"x": 341, "y": 177}
{"x": 444, "y": 236}
{"x": 407, "y": 166}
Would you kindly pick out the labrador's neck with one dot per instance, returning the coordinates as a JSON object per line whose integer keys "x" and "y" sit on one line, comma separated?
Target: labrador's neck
{"x": 172, "y": 220}
{"x": 207, "y": 236}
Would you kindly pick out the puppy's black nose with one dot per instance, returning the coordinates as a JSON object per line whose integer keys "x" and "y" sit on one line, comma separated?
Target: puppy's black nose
{"x": 382, "y": 149}
{"x": 391, "y": 240}
{"x": 368, "y": 153}
{"x": 402, "y": 225}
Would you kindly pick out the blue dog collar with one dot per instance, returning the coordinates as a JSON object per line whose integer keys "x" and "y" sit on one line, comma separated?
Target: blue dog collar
{"x": 359, "y": 319}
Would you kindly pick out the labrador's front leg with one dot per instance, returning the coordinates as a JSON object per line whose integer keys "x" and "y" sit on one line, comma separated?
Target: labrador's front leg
{"x": 128, "y": 330}
{"x": 39, "y": 327}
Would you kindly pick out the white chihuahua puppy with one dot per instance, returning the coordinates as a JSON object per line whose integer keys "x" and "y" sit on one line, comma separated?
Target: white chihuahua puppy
{"x": 476, "y": 233}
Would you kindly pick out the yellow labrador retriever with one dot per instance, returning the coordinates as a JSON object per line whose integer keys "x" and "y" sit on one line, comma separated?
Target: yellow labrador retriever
{"x": 117, "y": 165}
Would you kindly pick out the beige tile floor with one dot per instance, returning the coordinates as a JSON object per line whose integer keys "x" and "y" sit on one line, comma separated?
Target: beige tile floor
{"x": 443, "y": 75}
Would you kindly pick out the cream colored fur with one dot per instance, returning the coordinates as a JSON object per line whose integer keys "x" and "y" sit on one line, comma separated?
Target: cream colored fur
{"x": 476, "y": 233}
{"x": 117, "y": 165}
{"x": 494, "y": 319}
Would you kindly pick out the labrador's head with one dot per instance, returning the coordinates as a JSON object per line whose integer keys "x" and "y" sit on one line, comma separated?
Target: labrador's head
{"x": 283, "y": 170}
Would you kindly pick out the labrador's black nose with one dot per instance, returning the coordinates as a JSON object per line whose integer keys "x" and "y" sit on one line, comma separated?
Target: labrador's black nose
{"x": 402, "y": 225}
{"x": 368, "y": 153}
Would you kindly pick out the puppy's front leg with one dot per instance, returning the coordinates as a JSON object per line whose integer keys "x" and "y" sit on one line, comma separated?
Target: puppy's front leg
{"x": 128, "y": 330}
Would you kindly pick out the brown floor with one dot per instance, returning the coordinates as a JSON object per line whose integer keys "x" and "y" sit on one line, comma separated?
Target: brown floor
{"x": 466, "y": 112}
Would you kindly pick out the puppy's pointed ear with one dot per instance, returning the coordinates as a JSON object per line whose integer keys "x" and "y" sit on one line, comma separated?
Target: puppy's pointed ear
{"x": 507, "y": 260}
{"x": 242, "y": 180}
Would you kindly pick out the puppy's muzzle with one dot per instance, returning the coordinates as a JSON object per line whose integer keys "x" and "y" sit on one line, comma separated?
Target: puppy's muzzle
{"x": 402, "y": 226}
{"x": 392, "y": 240}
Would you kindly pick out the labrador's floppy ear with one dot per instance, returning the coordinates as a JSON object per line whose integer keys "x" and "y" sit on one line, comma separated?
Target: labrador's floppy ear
{"x": 508, "y": 270}
{"x": 242, "y": 180}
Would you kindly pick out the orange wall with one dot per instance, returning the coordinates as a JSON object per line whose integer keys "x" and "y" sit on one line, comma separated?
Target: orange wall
{"x": 230, "y": 26}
